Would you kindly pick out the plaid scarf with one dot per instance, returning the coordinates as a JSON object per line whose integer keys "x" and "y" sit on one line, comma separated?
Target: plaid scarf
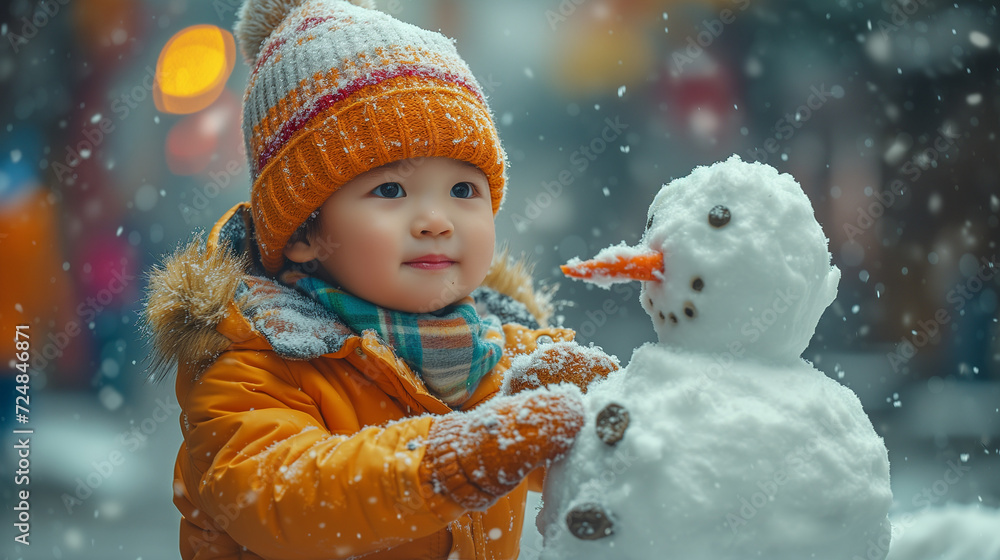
{"x": 451, "y": 349}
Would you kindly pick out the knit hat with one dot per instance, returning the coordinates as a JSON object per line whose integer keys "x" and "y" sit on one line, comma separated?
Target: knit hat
{"x": 338, "y": 89}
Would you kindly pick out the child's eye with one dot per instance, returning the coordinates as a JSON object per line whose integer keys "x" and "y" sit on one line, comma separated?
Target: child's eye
{"x": 463, "y": 190}
{"x": 389, "y": 190}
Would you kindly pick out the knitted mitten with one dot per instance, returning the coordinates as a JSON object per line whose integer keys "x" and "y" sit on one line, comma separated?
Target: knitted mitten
{"x": 561, "y": 362}
{"x": 478, "y": 456}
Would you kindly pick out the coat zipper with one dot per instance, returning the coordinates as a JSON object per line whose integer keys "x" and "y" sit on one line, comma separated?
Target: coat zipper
{"x": 478, "y": 544}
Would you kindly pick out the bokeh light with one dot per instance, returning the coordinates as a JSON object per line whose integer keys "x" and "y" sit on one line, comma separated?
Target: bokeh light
{"x": 193, "y": 68}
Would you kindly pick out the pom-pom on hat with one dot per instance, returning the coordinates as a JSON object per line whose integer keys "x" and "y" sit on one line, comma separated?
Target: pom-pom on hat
{"x": 338, "y": 88}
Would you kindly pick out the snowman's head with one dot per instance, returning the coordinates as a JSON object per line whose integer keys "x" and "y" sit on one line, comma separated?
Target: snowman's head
{"x": 745, "y": 266}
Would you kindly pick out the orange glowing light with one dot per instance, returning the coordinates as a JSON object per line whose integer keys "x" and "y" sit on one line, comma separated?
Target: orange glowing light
{"x": 193, "y": 68}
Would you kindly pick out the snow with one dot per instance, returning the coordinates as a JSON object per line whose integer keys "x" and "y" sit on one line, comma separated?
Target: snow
{"x": 952, "y": 532}
{"x": 717, "y": 462}
{"x": 979, "y": 39}
{"x": 733, "y": 445}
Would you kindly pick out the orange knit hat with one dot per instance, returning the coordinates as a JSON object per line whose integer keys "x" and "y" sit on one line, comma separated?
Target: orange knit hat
{"x": 338, "y": 89}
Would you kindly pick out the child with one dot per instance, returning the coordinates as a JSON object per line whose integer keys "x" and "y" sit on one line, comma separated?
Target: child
{"x": 333, "y": 333}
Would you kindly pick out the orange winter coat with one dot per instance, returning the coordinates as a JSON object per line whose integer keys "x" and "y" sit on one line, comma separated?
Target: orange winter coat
{"x": 299, "y": 435}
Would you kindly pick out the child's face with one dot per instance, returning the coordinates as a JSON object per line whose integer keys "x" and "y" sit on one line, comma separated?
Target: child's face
{"x": 373, "y": 228}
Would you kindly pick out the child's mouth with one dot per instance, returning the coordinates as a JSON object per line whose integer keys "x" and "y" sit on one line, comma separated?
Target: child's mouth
{"x": 432, "y": 261}
{"x": 430, "y": 265}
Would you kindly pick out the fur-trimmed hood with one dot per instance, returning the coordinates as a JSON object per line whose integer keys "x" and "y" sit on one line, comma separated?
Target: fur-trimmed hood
{"x": 203, "y": 288}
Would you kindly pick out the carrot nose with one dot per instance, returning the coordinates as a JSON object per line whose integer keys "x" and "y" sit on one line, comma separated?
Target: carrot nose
{"x": 638, "y": 266}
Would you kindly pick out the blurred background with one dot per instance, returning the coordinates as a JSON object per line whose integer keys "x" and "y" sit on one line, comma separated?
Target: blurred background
{"x": 886, "y": 112}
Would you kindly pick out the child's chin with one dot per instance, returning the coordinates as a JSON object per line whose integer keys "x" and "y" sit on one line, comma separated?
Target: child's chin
{"x": 433, "y": 298}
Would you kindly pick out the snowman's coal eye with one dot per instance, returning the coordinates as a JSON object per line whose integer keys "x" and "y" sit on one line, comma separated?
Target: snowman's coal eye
{"x": 719, "y": 216}
{"x": 649, "y": 223}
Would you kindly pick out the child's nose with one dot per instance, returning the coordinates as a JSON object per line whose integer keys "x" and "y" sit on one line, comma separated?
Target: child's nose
{"x": 432, "y": 223}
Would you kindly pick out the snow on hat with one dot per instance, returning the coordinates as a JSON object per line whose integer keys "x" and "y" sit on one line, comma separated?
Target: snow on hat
{"x": 338, "y": 89}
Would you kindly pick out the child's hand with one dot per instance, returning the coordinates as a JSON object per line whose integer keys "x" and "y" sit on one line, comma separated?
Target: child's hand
{"x": 561, "y": 362}
{"x": 478, "y": 456}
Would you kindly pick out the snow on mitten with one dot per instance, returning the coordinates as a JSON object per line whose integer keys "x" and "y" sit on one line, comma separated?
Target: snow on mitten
{"x": 476, "y": 457}
{"x": 560, "y": 362}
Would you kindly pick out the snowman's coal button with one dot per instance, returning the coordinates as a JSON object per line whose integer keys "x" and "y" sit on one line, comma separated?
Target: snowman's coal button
{"x": 589, "y": 522}
{"x": 611, "y": 423}
{"x": 689, "y": 309}
{"x": 719, "y": 216}
{"x": 697, "y": 284}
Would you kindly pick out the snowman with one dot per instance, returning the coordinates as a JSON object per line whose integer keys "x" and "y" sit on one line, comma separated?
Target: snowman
{"x": 720, "y": 441}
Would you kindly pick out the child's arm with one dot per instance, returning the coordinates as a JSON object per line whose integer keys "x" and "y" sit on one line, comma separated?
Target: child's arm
{"x": 549, "y": 364}
{"x": 271, "y": 474}
{"x": 267, "y": 470}
{"x": 478, "y": 456}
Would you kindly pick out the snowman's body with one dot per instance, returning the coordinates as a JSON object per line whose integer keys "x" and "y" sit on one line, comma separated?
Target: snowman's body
{"x": 723, "y": 462}
{"x": 735, "y": 446}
